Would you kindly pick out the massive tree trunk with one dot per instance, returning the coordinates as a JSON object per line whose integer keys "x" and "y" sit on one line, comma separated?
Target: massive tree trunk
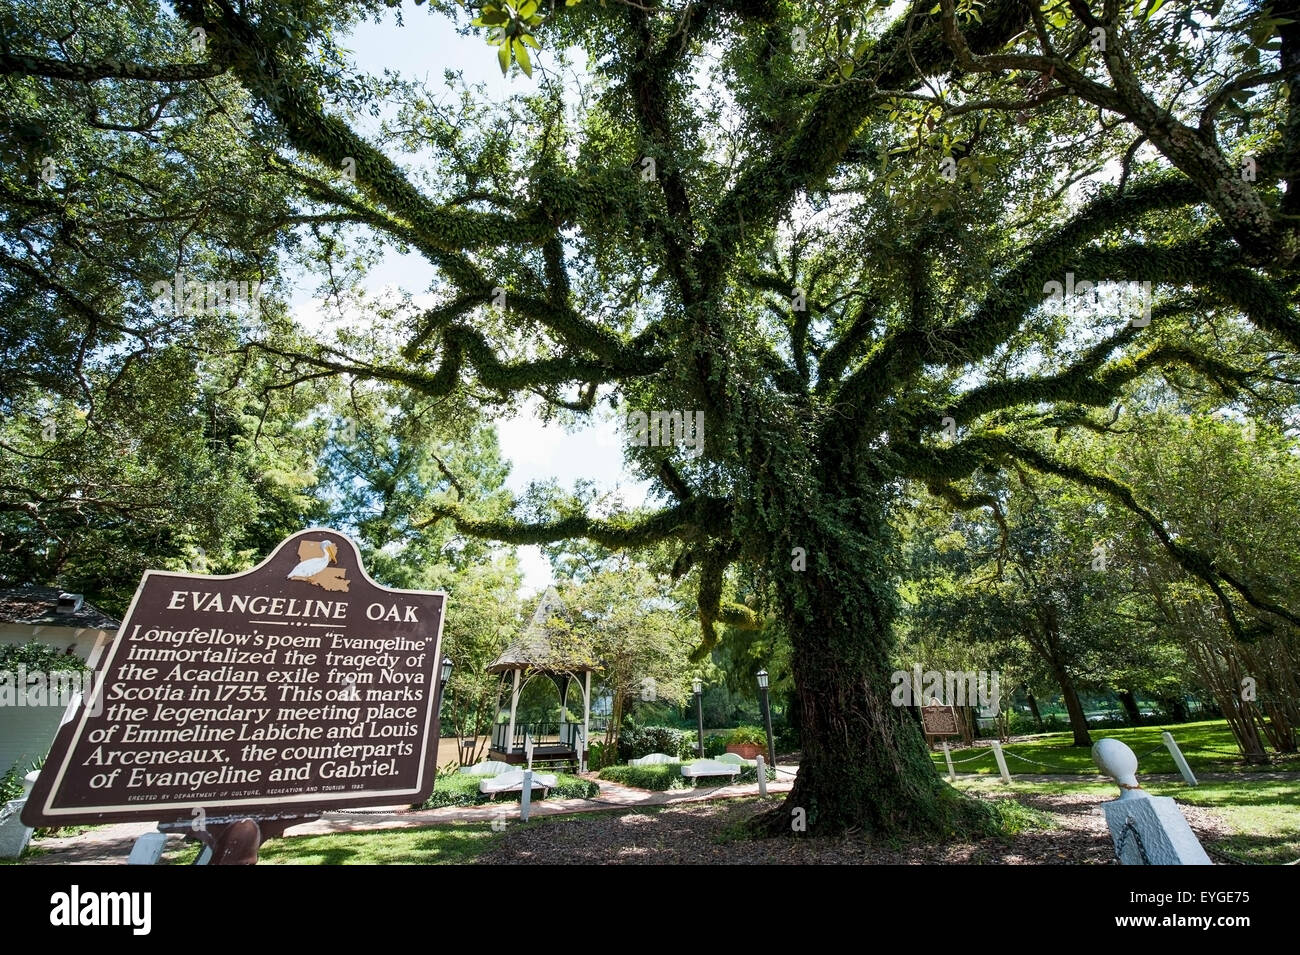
{"x": 865, "y": 765}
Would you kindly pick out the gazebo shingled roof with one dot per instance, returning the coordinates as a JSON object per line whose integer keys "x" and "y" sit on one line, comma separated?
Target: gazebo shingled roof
{"x": 535, "y": 647}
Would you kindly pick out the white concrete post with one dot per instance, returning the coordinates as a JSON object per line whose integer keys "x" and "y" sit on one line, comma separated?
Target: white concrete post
{"x": 1002, "y": 762}
{"x": 762, "y": 778}
{"x": 526, "y": 796}
{"x": 514, "y": 703}
{"x": 947, "y": 754}
{"x": 1146, "y": 829}
{"x": 528, "y": 749}
{"x": 148, "y": 849}
{"x": 14, "y": 836}
{"x": 1179, "y": 760}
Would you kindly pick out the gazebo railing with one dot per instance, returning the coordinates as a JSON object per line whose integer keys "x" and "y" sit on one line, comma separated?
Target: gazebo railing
{"x": 544, "y": 734}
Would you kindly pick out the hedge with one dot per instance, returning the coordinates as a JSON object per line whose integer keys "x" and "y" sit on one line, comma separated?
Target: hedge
{"x": 669, "y": 776}
{"x": 461, "y": 789}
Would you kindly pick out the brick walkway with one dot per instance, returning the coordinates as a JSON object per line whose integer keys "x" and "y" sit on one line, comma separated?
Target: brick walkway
{"x": 111, "y": 844}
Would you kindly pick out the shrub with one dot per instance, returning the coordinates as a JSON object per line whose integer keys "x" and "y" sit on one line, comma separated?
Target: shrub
{"x": 11, "y": 783}
{"x": 637, "y": 741}
{"x": 658, "y": 778}
{"x": 459, "y": 789}
{"x": 788, "y": 741}
{"x": 596, "y": 755}
{"x": 715, "y": 744}
{"x": 38, "y": 658}
{"x": 669, "y": 776}
{"x": 747, "y": 734}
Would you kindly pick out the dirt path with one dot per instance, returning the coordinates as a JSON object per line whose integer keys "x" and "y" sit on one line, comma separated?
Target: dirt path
{"x": 111, "y": 844}
{"x": 689, "y": 826}
{"x": 704, "y": 834}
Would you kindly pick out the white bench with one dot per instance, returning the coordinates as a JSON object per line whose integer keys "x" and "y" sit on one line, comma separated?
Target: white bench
{"x": 654, "y": 759}
{"x": 737, "y": 759}
{"x": 711, "y": 767}
{"x": 489, "y": 767}
{"x": 513, "y": 781}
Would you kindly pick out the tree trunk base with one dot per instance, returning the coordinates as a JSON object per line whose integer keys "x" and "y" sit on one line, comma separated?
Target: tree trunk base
{"x": 937, "y": 812}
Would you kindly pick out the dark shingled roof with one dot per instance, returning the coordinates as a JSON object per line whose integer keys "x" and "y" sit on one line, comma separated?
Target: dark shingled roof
{"x": 534, "y": 648}
{"x": 38, "y": 606}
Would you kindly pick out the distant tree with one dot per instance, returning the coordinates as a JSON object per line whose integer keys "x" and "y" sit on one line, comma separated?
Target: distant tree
{"x": 626, "y": 620}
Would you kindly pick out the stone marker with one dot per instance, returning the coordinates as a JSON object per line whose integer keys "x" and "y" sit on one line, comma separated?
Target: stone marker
{"x": 1146, "y": 829}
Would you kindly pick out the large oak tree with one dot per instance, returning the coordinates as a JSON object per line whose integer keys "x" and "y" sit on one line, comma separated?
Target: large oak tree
{"x": 826, "y": 226}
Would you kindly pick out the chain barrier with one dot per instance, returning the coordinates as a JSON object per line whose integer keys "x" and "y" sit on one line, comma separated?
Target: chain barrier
{"x": 971, "y": 759}
{"x": 1130, "y": 829}
{"x": 1033, "y": 762}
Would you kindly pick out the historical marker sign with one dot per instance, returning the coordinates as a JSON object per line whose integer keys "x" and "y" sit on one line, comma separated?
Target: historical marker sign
{"x": 939, "y": 721}
{"x": 298, "y": 686}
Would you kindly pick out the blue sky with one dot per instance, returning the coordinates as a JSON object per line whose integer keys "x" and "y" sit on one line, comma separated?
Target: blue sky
{"x": 424, "y": 48}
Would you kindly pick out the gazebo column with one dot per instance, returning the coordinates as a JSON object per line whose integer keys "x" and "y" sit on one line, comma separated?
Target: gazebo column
{"x": 496, "y": 711}
{"x": 514, "y": 705}
{"x": 586, "y": 709}
{"x": 564, "y": 706}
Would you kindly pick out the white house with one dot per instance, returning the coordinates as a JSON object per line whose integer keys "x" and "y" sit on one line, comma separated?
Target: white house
{"x": 60, "y": 620}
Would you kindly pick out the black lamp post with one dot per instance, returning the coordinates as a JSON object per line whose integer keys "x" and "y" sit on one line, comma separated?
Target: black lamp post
{"x": 444, "y": 674}
{"x": 698, "y": 687}
{"x": 767, "y": 716}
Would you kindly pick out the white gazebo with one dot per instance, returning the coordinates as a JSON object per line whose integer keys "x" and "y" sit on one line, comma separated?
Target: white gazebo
{"x": 542, "y": 650}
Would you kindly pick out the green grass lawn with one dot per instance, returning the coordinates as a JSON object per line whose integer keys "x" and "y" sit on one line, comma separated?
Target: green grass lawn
{"x": 1263, "y": 817}
{"x": 1262, "y": 814}
{"x": 1208, "y": 746}
{"x": 435, "y": 845}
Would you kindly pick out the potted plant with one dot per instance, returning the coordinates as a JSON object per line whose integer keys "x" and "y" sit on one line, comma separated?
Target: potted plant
{"x": 747, "y": 742}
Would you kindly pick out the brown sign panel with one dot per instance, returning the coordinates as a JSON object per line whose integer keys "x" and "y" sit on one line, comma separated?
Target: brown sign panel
{"x": 939, "y": 721}
{"x": 298, "y": 686}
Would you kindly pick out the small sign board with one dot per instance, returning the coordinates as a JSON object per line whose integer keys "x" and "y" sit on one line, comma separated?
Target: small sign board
{"x": 295, "y": 687}
{"x": 939, "y": 721}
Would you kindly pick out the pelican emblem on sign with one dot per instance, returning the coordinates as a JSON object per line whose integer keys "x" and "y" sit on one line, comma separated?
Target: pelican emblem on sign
{"x": 314, "y": 560}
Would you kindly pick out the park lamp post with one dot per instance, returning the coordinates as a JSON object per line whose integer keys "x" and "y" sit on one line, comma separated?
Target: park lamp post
{"x": 697, "y": 686}
{"x": 444, "y": 674}
{"x": 767, "y": 716}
